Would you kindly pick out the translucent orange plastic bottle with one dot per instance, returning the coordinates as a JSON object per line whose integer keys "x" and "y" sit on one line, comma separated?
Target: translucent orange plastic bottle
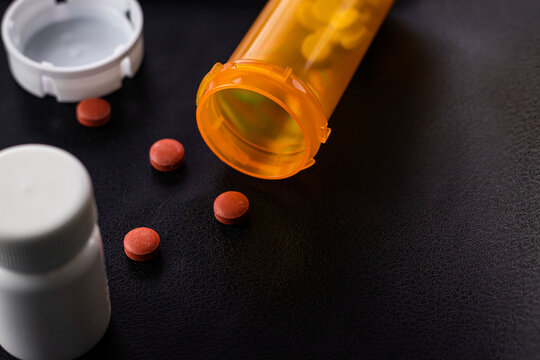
{"x": 265, "y": 112}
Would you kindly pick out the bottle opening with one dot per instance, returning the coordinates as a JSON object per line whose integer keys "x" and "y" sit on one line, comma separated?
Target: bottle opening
{"x": 253, "y": 133}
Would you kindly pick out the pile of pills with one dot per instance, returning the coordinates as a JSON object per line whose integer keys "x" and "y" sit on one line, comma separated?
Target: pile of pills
{"x": 166, "y": 155}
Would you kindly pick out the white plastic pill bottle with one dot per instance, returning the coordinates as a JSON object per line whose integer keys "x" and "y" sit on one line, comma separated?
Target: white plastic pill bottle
{"x": 54, "y": 298}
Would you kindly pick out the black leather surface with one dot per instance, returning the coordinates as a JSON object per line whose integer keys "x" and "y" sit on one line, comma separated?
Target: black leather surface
{"x": 415, "y": 236}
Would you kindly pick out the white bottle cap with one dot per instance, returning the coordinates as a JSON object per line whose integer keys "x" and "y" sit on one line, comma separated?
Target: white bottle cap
{"x": 47, "y": 207}
{"x": 73, "y": 49}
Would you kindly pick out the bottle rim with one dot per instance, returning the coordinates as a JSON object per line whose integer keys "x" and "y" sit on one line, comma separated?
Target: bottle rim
{"x": 280, "y": 86}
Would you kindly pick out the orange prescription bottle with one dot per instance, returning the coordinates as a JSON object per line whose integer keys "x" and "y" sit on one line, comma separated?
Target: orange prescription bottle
{"x": 265, "y": 112}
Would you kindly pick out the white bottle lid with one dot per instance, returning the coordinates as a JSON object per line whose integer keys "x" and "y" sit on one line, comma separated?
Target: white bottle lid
{"x": 73, "y": 49}
{"x": 47, "y": 207}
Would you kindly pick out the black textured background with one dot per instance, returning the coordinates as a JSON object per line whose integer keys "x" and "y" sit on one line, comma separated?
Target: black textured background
{"x": 416, "y": 235}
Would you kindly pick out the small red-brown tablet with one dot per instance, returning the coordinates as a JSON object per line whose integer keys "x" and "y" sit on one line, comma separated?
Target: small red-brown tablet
{"x": 141, "y": 244}
{"x": 166, "y": 155}
{"x": 231, "y": 207}
{"x": 93, "y": 112}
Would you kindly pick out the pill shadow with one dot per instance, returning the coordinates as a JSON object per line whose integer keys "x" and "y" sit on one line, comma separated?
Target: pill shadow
{"x": 233, "y": 235}
{"x": 172, "y": 178}
{"x": 146, "y": 270}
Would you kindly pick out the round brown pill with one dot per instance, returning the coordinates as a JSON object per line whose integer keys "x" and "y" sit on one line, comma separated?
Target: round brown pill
{"x": 167, "y": 155}
{"x": 93, "y": 112}
{"x": 231, "y": 207}
{"x": 141, "y": 244}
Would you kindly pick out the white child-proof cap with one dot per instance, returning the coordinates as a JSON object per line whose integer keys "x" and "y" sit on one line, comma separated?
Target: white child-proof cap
{"x": 73, "y": 49}
{"x": 47, "y": 207}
